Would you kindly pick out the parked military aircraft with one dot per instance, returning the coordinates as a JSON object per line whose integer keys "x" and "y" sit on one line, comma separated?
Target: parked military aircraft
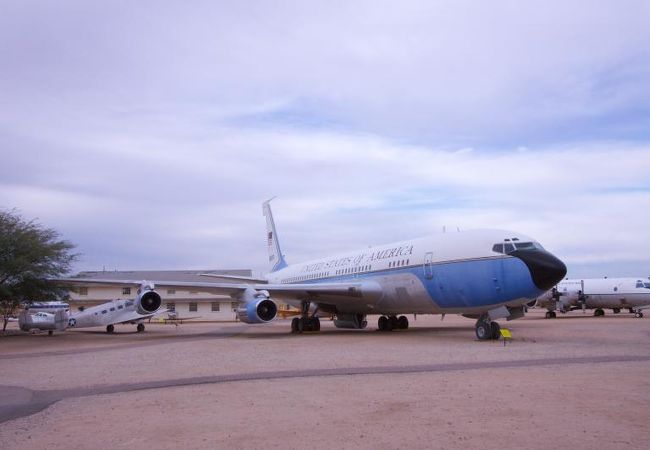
{"x": 483, "y": 274}
{"x": 146, "y": 305}
{"x": 48, "y": 307}
{"x": 597, "y": 294}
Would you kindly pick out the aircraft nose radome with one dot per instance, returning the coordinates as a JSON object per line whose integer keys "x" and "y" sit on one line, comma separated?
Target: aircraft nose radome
{"x": 546, "y": 269}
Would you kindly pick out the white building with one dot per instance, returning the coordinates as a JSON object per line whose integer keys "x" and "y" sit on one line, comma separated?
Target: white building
{"x": 186, "y": 303}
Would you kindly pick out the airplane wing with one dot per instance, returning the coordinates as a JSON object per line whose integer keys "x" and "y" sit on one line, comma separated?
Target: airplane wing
{"x": 328, "y": 296}
{"x": 133, "y": 316}
{"x": 235, "y": 278}
{"x": 231, "y": 289}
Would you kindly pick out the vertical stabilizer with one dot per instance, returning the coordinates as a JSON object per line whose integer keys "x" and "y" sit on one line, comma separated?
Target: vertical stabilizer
{"x": 276, "y": 258}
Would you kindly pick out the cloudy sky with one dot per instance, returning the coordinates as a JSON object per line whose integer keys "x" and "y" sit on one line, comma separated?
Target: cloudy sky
{"x": 148, "y": 133}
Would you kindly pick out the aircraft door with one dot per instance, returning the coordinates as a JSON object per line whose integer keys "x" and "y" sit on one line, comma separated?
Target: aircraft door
{"x": 428, "y": 266}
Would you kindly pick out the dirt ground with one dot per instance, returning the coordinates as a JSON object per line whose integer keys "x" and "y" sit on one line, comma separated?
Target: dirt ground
{"x": 573, "y": 382}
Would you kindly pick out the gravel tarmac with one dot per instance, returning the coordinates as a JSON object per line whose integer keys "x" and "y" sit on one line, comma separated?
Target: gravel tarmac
{"x": 573, "y": 382}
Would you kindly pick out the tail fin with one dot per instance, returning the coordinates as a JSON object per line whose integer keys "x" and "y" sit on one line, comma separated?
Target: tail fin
{"x": 276, "y": 258}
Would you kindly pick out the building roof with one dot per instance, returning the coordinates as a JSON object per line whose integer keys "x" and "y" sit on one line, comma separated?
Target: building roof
{"x": 161, "y": 275}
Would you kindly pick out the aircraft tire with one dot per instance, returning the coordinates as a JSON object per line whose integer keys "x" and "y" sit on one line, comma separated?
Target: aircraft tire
{"x": 315, "y": 324}
{"x": 616, "y": 310}
{"x": 402, "y": 323}
{"x": 496, "y": 330}
{"x": 599, "y": 312}
{"x": 110, "y": 328}
{"x": 638, "y": 315}
{"x": 294, "y": 325}
{"x": 483, "y": 330}
{"x": 550, "y": 315}
{"x": 140, "y": 327}
{"x": 382, "y": 323}
{"x": 50, "y": 332}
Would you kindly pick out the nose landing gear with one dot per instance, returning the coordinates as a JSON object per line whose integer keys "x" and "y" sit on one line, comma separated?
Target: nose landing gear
{"x": 486, "y": 329}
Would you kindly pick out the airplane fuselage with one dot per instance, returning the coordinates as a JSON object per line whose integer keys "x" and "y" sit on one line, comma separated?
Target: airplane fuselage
{"x": 601, "y": 293}
{"x": 447, "y": 273}
{"x": 111, "y": 312}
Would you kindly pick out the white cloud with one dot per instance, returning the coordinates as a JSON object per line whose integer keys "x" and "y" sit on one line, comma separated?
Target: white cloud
{"x": 162, "y": 122}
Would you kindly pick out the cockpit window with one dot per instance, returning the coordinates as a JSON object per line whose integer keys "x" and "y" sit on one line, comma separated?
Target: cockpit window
{"x": 497, "y": 248}
{"x": 509, "y": 246}
{"x": 525, "y": 245}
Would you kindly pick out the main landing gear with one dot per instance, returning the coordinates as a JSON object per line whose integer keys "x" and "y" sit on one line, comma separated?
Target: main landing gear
{"x": 140, "y": 327}
{"x": 110, "y": 328}
{"x": 300, "y": 324}
{"x": 390, "y": 323}
{"x": 305, "y": 322}
{"x": 599, "y": 312}
{"x": 486, "y": 329}
{"x": 550, "y": 314}
{"x": 638, "y": 315}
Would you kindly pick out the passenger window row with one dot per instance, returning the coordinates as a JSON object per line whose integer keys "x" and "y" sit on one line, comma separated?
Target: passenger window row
{"x": 357, "y": 269}
{"x": 398, "y": 263}
{"x": 305, "y": 277}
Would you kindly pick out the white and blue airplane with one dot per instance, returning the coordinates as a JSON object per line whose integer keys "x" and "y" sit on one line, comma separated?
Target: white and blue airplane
{"x": 616, "y": 294}
{"x": 484, "y": 274}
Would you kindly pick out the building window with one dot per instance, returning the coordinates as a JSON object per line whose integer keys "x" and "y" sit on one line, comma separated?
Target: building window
{"x": 171, "y": 307}
{"x": 171, "y": 291}
{"x": 193, "y": 306}
{"x": 83, "y": 290}
{"x": 216, "y": 306}
{"x": 126, "y": 291}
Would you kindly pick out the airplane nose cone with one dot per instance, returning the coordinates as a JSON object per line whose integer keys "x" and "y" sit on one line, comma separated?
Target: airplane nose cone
{"x": 546, "y": 269}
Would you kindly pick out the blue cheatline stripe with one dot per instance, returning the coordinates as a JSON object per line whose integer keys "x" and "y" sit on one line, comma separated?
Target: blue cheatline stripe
{"x": 461, "y": 284}
{"x": 479, "y": 283}
{"x": 281, "y": 264}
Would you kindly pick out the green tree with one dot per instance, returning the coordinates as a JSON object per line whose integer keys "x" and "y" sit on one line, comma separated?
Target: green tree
{"x": 29, "y": 255}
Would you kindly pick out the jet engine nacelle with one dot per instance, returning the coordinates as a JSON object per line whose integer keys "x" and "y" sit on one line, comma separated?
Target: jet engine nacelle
{"x": 148, "y": 302}
{"x": 353, "y": 321}
{"x": 256, "y": 307}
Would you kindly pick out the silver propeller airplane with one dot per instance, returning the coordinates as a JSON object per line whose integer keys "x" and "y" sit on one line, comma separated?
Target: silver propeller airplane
{"x": 146, "y": 305}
